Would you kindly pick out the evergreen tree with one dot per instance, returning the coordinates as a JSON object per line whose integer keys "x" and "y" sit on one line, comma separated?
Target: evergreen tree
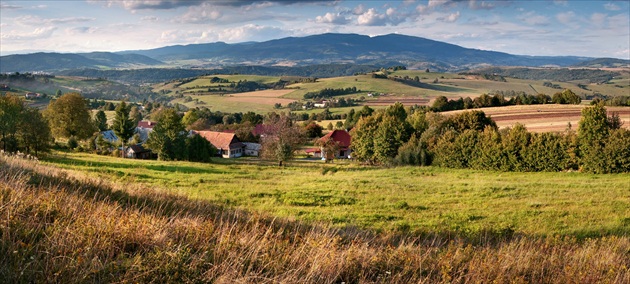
{"x": 101, "y": 120}
{"x": 123, "y": 125}
{"x": 168, "y": 137}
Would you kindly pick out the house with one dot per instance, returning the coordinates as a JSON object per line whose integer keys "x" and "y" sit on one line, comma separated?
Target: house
{"x": 33, "y": 95}
{"x": 251, "y": 149}
{"x": 144, "y": 128}
{"x": 227, "y": 144}
{"x": 137, "y": 152}
{"x": 321, "y": 104}
{"x": 343, "y": 140}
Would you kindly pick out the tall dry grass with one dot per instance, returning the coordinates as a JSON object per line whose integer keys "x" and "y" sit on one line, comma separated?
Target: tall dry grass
{"x": 62, "y": 227}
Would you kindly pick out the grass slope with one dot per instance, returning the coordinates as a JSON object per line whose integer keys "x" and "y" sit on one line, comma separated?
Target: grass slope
{"x": 64, "y": 227}
{"x": 408, "y": 199}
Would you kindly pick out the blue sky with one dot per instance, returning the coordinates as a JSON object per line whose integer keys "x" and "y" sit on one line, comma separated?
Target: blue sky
{"x": 582, "y": 28}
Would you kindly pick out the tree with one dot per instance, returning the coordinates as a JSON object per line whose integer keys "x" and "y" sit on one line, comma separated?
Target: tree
{"x": 69, "y": 116}
{"x": 190, "y": 117}
{"x": 199, "y": 149}
{"x": 282, "y": 138}
{"x": 123, "y": 125}
{"x": 168, "y": 137}
{"x": 313, "y": 130}
{"x": 363, "y": 138}
{"x": 101, "y": 120}
{"x": 135, "y": 115}
{"x": 34, "y": 132}
{"x": 11, "y": 109}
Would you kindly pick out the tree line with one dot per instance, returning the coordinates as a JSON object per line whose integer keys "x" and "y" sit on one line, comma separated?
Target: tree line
{"x": 471, "y": 140}
{"x": 442, "y": 103}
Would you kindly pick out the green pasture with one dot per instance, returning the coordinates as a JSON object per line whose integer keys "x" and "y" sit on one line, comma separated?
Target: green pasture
{"x": 400, "y": 198}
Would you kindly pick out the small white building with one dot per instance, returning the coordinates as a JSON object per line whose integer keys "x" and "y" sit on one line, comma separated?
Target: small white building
{"x": 252, "y": 149}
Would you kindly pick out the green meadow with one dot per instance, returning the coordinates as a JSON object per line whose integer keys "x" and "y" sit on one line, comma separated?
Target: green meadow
{"x": 403, "y": 199}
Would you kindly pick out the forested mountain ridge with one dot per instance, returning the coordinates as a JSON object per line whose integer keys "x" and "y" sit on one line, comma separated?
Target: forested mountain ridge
{"x": 385, "y": 50}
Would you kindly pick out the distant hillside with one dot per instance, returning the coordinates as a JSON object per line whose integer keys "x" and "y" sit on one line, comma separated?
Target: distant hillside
{"x": 392, "y": 49}
{"x": 154, "y": 75}
{"x": 48, "y": 62}
{"x": 604, "y": 63}
{"x": 551, "y": 74}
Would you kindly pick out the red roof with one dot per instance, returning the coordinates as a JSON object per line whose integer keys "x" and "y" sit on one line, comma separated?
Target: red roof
{"x": 261, "y": 129}
{"x": 146, "y": 124}
{"x": 221, "y": 140}
{"x": 341, "y": 136}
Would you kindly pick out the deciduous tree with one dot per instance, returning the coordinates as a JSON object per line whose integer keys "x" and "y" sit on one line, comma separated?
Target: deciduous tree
{"x": 69, "y": 117}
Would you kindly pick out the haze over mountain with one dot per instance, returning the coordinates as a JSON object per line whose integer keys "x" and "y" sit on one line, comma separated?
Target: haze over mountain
{"x": 386, "y": 50}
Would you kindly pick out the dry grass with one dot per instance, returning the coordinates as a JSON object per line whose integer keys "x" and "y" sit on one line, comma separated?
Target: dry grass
{"x": 62, "y": 227}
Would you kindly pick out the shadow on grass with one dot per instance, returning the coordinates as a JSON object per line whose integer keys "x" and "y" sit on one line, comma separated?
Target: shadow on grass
{"x": 174, "y": 168}
{"x": 166, "y": 205}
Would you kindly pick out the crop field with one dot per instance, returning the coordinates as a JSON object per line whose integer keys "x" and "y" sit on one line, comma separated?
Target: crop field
{"x": 545, "y": 118}
{"x": 415, "y": 199}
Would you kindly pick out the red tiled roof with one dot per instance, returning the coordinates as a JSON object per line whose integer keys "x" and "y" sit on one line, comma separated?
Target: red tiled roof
{"x": 221, "y": 140}
{"x": 341, "y": 136}
{"x": 147, "y": 124}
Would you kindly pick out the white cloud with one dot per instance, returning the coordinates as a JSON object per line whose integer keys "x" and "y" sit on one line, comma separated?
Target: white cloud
{"x": 373, "y": 18}
{"x": 37, "y": 21}
{"x": 531, "y": 18}
{"x": 358, "y": 10}
{"x": 478, "y": 5}
{"x": 332, "y": 18}
{"x": 38, "y": 33}
{"x": 150, "y": 19}
{"x": 611, "y": 7}
{"x": 451, "y": 18}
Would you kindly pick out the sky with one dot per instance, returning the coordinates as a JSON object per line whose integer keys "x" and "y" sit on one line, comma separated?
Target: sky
{"x": 543, "y": 28}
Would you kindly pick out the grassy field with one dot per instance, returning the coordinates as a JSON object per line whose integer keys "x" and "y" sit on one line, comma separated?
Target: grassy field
{"x": 63, "y": 226}
{"x": 391, "y": 199}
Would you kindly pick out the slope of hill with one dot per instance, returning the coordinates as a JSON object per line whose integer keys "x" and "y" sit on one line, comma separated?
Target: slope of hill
{"x": 48, "y": 62}
{"x": 604, "y": 63}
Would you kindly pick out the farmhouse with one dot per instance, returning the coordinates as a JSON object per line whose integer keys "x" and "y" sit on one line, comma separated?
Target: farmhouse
{"x": 251, "y": 149}
{"x": 227, "y": 144}
{"x": 137, "y": 152}
{"x": 342, "y": 138}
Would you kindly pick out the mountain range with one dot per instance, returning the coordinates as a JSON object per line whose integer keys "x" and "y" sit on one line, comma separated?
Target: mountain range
{"x": 386, "y": 50}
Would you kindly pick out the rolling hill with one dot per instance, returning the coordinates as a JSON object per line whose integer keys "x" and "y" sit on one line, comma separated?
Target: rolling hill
{"x": 49, "y": 62}
{"x": 385, "y": 50}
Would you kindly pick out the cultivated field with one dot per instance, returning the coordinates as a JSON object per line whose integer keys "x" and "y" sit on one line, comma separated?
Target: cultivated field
{"x": 545, "y": 118}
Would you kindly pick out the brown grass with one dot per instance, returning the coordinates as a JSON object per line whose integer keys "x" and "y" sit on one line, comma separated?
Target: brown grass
{"x": 61, "y": 227}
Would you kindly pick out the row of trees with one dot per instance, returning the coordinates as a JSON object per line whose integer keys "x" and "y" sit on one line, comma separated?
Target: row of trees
{"x": 442, "y": 103}
{"x": 472, "y": 140}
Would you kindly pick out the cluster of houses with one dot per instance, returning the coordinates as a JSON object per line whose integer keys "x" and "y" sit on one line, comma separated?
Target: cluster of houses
{"x": 228, "y": 145}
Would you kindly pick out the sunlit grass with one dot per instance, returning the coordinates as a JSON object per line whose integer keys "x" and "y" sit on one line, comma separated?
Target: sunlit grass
{"x": 402, "y": 198}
